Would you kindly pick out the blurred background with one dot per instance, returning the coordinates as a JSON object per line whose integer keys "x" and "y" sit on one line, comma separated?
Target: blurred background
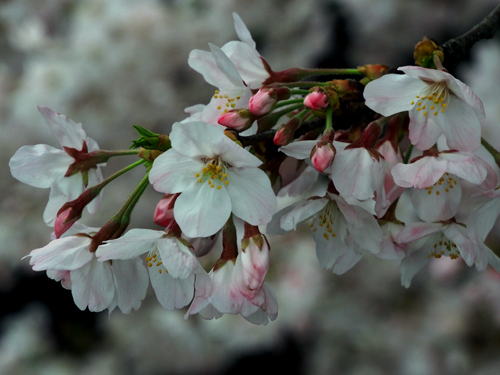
{"x": 113, "y": 64}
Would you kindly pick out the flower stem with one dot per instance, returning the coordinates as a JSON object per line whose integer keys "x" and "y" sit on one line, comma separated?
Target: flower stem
{"x": 329, "y": 121}
{"x": 268, "y": 121}
{"x": 299, "y": 92}
{"x": 288, "y": 102}
{"x": 118, "y": 174}
{"x": 304, "y": 84}
{"x": 408, "y": 154}
{"x": 134, "y": 198}
{"x": 491, "y": 150}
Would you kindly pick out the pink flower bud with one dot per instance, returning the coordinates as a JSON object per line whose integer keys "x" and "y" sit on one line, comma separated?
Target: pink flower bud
{"x": 237, "y": 119}
{"x": 317, "y": 99}
{"x": 70, "y": 212}
{"x": 284, "y": 135}
{"x": 164, "y": 213}
{"x": 322, "y": 155}
{"x": 263, "y": 102}
{"x": 64, "y": 221}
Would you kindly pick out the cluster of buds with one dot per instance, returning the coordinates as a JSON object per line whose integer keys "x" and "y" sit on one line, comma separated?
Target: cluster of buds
{"x": 378, "y": 162}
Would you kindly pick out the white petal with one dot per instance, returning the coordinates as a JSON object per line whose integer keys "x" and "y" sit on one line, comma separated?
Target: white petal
{"x": 196, "y": 139}
{"x": 235, "y": 155}
{"x": 171, "y": 293}
{"x": 355, "y": 173}
{"x": 431, "y": 206}
{"x": 226, "y": 66}
{"x": 63, "y": 276}
{"x": 418, "y": 72}
{"x": 404, "y": 209}
{"x": 39, "y": 165}
{"x": 252, "y": 197}
{"x": 304, "y": 183}
{"x": 173, "y": 172}
{"x": 204, "y": 63}
{"x": 66, "y": 131}
{"x": 299, "y": 150}
{"x": 460, "y": 125}
{"x": 132, "y": 282}
{"x": 93, "y": 286}
{"x": 202, "y": 210}
{"x": 416, "y": 231}
{"x": 67, "y": 253}
{"x": 346, "y": 261}
{"x": 424, "y": 131}
{"x": 132, "y": 244}
{"x": 467, "y": 166}
{"x": 300, "y": 212}
{"x": 178, "y": 260}
{"x": 392, "y": 93}
{"x": 242, "y": 31}
{"x": 411, "y": 265}
{"x": 465, "y": 93}
{"x": 458, "y": 234}
{"x": 483, "y": 218}
{"x": 274, "y": 226}
{"x": 422, "y": 173}
{"x": 369, "y": 235}
{"x": 248, "y": 63}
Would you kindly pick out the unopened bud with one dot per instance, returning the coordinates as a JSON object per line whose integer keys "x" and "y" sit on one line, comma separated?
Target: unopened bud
{"x": 284, "y": 135}
{"x": 372, "y": 72}
{"x": 317, "y": 99}
{"x": 70, "y": 212}
{"x": 237, "y": 119}
{"x": 164, "y": 213}
{"x": 64, "y": 221}
{"x": 368, "y": 137}
{"x": 263, "y": 102}
{"x": 149, "y": 155}
{"x": 322, "y": 155}
{"x": 114, "y": 228}
{"x": 425, "y": 52}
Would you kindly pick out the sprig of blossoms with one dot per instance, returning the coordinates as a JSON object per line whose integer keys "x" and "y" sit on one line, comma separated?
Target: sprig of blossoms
{"x": 342, "y": 150}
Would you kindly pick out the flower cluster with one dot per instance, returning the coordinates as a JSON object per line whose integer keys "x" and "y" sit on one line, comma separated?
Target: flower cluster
{"x": 391, "y": 165}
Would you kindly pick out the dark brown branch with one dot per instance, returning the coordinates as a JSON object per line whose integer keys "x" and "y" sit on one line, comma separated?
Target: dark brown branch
{"x": 456, "y": 49}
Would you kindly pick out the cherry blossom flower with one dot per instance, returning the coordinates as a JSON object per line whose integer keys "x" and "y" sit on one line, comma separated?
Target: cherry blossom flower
{"x": 44, "y": 166}
{"x": 437, "y": 102}
{"x": 424, "y": 240}
{"x": 215, "y": 177}
{"x": 426, "y": 171}
{"x": 234, "y": 70}
{"x": 231, "y": 90}
{"x": 173, "y": 268}
{"x": 93, "y": 284}
{"x": 242, "y": 54}
{"x": 239, "y": 287}
{"x": 342, "y": 232}
{"x": 358, "y": 172}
